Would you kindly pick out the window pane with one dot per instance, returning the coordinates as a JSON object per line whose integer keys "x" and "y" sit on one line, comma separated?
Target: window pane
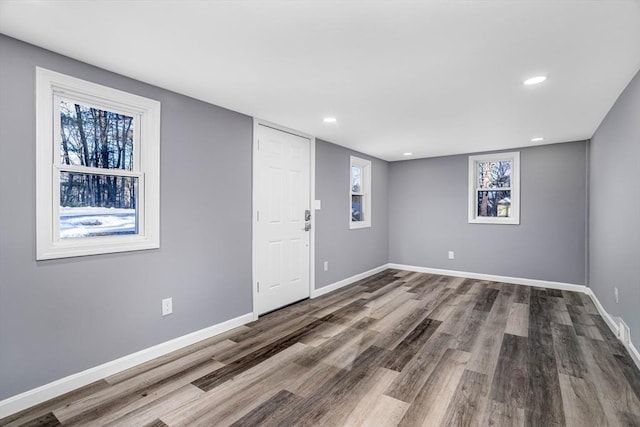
{"x": 356, "y": 208}
{"x": 494, "y": 203}
{"x": 356, "y": 179}
{"x": 97, "y": 205}
{"x": 96, "y": 138}
{"x": 494, "y": 174}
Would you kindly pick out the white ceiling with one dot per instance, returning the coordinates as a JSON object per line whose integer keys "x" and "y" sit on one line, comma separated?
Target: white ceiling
{"x": 428, "y": 77}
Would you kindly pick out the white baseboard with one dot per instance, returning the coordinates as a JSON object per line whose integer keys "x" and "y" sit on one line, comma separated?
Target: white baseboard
{"x": 64, "y": 385}
{"x": 493, "y": 278}
{"x": 349, "y": 280}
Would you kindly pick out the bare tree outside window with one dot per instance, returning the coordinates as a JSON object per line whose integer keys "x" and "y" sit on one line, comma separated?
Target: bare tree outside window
{"x": 494, "y": 176}
{"x": 96, "y": 204}
{"x": 494, "y": 188}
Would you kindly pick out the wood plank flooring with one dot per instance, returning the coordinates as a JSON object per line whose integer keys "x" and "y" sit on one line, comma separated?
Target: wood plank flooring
{"x": 397, "y": 348}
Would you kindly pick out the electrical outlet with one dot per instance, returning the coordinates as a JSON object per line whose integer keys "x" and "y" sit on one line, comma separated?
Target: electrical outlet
{"x": 167, "y": 306}
{"x": 451, "y": 255}
{"x": 326, "y": 266}
{"x": 615, "y": 293}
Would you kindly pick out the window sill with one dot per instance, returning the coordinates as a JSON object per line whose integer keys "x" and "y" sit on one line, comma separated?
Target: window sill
{"x": 96, "y": 246}
{"x": 502, "y": 221}
{"x": 359, "y": 224}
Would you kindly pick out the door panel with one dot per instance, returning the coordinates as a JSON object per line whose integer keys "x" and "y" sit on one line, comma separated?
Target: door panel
{"x": 282, "y": 196}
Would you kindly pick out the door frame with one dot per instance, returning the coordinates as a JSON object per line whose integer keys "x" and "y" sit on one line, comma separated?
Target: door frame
{"x": 254, "y": 219}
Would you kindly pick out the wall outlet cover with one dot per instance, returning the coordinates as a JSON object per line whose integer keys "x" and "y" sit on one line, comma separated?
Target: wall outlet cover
{"x": 167, "y": 306}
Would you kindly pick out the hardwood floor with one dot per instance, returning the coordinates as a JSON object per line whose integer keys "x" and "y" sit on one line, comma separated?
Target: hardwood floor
{"x": 397, "y": 348}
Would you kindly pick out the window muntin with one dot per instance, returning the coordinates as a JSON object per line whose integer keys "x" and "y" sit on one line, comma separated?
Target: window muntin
{"x": 97, "y": 168}
{"x": 360, "y": 193}
{"x": 494, "y": 188}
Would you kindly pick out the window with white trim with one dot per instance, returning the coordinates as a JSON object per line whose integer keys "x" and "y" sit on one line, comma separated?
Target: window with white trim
{"x": 494, "y": 188}
{"x": 97, "y": 168}
{"x": 360, "y": 193}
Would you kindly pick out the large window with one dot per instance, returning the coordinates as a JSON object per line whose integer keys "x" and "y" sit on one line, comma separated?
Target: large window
{"x": 97, "y": 168}
{"x": 360, "y": 193}
{"x": 494, "y": 188}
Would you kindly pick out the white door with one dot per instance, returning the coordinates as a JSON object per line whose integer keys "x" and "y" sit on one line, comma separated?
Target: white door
{"x": 281, "y": 186}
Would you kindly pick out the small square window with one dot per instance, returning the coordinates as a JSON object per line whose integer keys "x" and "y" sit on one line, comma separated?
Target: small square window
{"x": 494, "y": 188}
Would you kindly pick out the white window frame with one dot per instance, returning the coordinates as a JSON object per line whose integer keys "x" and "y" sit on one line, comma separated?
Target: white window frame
{"x": 514, "y": 158}
{"x": 365, "y": 166}
{"x": 50, "y": 88}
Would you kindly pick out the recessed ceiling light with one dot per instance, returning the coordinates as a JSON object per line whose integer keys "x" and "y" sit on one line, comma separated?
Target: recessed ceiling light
{"x": 329, "y": 120}
{"x": 537, "y": 139}
{"x": 535, "y": 80}
{"x": 407, "y": 154}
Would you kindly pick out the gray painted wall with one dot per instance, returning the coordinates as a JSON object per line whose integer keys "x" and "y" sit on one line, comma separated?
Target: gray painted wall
{"x": 614, "y": 209}
{"x": 61, "y": 317}
{"x": 428, "y": 217}
{"x": 349, "y": 252}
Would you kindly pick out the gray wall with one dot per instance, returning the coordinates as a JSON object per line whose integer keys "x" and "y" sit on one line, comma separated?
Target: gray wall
{"x": 614, "y": 209}
{"x": 61, "y": 317}
{"x": 428, "y": 217}
{"x": 349, "y": 252}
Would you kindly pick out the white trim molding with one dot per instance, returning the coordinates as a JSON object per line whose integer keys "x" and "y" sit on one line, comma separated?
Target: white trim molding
{"x": 64, "y": 385}
{"x": 493, "y": 278}
{"x": 345, "y": 282}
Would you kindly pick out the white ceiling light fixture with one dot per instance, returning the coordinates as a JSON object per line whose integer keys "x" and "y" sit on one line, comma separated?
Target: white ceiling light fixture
{"x": 537, "y": 139}
{"x": 329, "y": 120}
{"x": 407, "y": 154}
{"x": 534, "y": 80}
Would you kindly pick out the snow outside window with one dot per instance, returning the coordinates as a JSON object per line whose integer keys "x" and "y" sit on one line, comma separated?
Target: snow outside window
{"x": 494, "y": 188}
{"x": 360, "y": 193}
{"x": 97, "y": 168}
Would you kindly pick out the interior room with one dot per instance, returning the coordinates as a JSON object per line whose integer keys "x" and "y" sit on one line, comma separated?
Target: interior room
{"x": 319, "y": 213}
